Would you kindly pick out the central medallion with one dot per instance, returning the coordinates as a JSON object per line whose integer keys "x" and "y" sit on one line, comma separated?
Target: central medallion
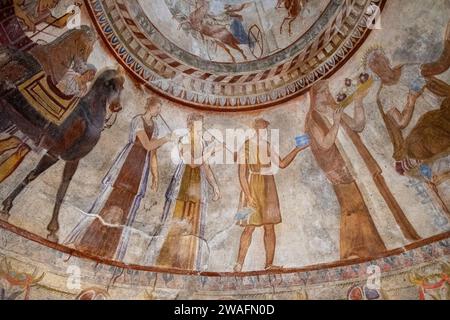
{"x": 232, "y": 55}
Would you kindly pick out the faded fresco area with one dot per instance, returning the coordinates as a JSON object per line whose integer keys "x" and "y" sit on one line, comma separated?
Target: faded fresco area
{"x": 224, "y": 149}
{"x": 232, "y": 31}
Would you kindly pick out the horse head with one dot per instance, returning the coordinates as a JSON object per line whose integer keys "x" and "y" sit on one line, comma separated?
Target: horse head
{"x": 84, "y": 40}
{"x": 70, "y": 50}
{"x": 109, "y": 86}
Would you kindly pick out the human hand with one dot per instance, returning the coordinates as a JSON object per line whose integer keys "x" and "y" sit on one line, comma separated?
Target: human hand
{"x": 217, "y": 194}
{"x": 360, "y": 95}
{"x": 174, "y": 137}
{"x": 251, "y": 201}
{"x": 337, "y": 116}
{"x": 155, "y": 185}
{"x": 416, "y": 94}
{"x": 303, "y": 147}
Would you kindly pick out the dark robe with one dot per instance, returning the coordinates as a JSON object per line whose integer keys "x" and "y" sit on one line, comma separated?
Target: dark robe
{"x": 103, "y": 240}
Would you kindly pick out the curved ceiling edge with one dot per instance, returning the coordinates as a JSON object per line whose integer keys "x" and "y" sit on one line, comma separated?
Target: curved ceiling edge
{"x": 204, "y": 90}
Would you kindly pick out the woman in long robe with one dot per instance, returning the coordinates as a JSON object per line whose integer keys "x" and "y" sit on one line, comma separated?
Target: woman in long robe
{"x": 124, "y": 186}
{"x": 187, "y": 195}
{"x": 359, "y": 237}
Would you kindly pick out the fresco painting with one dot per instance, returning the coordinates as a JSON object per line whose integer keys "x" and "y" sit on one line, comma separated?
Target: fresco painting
{"x": 190, "y": 143}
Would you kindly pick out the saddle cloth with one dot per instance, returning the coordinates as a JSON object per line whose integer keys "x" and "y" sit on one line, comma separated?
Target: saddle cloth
{"x": 47, "y": 99}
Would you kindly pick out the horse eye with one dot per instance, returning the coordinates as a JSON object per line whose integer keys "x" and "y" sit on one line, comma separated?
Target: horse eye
{"x": 110, "y": 84}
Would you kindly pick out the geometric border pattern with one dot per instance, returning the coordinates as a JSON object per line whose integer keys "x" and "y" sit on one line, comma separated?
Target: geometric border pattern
{"x": 131, "y": 40}
{"x": 415, "y": 253}
{"x": 433, "y": 249}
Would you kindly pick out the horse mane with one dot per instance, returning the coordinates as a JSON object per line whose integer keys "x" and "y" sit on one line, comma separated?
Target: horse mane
{"x": 73, "y": 33}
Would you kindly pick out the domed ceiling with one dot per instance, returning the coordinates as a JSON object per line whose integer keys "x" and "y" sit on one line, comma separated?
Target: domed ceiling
{"x": 98, "y": 201}
{"x": 233, "y": 55}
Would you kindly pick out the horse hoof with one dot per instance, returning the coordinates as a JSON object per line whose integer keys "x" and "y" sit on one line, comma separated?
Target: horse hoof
{"x": 53, "y": 237}
{"x": 4, "y": 215}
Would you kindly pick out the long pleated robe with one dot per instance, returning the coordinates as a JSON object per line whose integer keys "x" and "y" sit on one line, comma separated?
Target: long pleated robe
{"x": 116, "y": 207}
{"x": 358, "y": 234}
{"x": 186, "y": 196}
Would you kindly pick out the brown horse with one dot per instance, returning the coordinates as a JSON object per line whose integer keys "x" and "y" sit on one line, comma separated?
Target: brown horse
{"x": 70, "y": 141}
{"x": 294, "y": 8}
{"x": 71, "y": 50}
{"x": 198, "y": 21}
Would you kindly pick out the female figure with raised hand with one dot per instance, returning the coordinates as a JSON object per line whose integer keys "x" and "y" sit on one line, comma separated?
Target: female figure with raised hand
{"x": 106, "y": 234}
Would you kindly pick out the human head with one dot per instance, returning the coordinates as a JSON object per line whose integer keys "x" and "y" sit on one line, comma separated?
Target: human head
{"x": 377, "y": 61}
{"x": 194, "y": 118}
{"x": 47, "y": 5}
{"x": 260, "y": 124}
{"x": 80, "y": 42}
{"x": 202, "y": 2}
{"x": 321, "y": 97}
{"x": 153, "y": 106}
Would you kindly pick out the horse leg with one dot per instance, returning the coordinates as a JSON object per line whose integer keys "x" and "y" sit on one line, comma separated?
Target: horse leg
{"x": 290, "y": 25}
{"x": 46, "y": 162}
{"x": 69, "y": 170}
{"x": 224, "y": 47}
{"x": 236, "y": 47}
{"x": 282, "y": 24}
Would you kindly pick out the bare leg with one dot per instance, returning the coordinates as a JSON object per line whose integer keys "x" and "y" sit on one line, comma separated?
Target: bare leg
{"x": 246, "y": 240}
{"x": 270, "y": 242}
{"x": 69, "y": 170}
{"x": 46, "y": 162}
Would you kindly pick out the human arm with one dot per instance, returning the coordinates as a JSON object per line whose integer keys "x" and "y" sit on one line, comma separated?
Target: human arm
{"x": 211, "y": 149}
{"x": 212, "y": 181}
{"x": 237, "y": 8}
{"x": 358, "y": 122}
{"x": 287, "y": 160}
{"x": 403, "y": 118}
{"x": 326, "y": 141}
{"x": 154, "y": 171}
{"x": 23, "y": 15}
{"x": 152, "y": 144}
{"x": 245, "y": 186}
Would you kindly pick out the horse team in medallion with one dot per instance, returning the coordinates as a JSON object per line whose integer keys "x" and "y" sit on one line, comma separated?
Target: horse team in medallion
{"x": 74, "y": 131}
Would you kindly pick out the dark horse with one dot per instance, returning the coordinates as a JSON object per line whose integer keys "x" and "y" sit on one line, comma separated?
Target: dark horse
{"x": 294, "y": 8}
{"x": 70, "y": 141}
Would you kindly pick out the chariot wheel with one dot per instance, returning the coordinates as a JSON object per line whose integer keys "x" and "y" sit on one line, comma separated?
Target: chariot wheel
{"x": 256, "y": 41}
